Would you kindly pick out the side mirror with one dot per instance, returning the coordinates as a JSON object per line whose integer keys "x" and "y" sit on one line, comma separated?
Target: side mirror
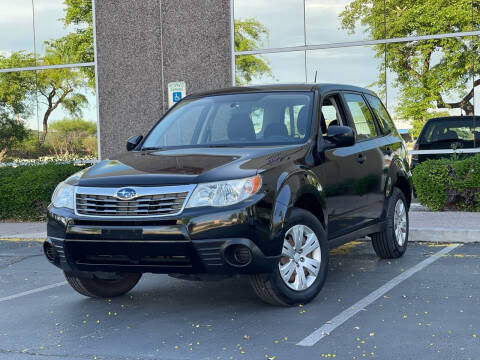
{"x": 341, "y": 136}
{"x": 133, "y": 141}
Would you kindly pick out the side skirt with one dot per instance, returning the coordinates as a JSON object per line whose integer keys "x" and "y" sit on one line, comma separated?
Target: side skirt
{"x": 368, "y": 230}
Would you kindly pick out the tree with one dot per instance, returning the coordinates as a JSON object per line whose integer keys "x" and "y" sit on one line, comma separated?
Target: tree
{"x": 77, "y": 46}
{"x": 11, "y": 132}
{"x": 249, "y": 34}
{"x": 430, "y": 73}
{"x": 17, "y": 88}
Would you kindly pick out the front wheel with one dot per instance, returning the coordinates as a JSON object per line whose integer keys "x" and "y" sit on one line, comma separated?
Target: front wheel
{"x": 302, "y": 269}
{"x": 103, "y": 287}
{"x": 392, "y": 242}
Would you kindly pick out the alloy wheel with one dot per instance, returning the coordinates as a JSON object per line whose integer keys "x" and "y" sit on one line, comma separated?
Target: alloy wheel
{"x": 400, "y": 222}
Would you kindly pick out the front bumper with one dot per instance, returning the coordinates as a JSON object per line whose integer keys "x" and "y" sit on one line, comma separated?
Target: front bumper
{"x": 197, "y": 241}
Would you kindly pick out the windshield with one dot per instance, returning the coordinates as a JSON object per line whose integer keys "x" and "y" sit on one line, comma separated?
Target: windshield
{"x": 252, "y": 119}
{"x": 464, "y": 131}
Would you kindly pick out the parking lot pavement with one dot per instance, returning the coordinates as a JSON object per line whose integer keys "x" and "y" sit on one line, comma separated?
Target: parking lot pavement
{"x": 433, "y": 314}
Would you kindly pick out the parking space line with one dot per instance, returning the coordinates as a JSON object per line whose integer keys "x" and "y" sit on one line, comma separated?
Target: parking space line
{"x": 33, "y": 291}
{"x": 338, "y": 320}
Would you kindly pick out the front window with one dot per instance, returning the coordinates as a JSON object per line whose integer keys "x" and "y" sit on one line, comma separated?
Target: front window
{"x": 253, "y": 119}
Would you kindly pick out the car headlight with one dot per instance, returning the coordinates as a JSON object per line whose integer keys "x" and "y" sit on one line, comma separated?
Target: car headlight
{"x": 224, "y": 193}
{"x": 64, "y": 193}
{"x": 63, "y": 196}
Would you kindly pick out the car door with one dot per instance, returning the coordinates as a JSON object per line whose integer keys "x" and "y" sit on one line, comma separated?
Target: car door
{"x": 341, "y": 173}
{"x": 370, "y": 171}
{"x": 389, "y": 143}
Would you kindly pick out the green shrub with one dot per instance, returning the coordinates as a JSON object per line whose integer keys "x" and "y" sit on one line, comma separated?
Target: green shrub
{"x": 449, "y": 184}
{"x": 25, "y": 191}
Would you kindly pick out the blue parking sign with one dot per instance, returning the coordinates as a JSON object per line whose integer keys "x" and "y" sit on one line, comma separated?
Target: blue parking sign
{"x": 177, "y": 96}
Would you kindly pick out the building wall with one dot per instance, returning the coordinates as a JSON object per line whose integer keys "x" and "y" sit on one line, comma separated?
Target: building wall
{"x": 144, "y": 45}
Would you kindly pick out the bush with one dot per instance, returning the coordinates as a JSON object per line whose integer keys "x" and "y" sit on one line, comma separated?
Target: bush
{"x": 25, "y": 191}
{"x": 449, "y": 184}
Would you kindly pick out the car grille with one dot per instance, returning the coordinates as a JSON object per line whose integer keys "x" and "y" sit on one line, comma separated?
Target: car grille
{"x": 147, "y": 205}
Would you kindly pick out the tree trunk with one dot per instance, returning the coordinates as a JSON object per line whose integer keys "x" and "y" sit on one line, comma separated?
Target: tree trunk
{"x": 45, "y": 125}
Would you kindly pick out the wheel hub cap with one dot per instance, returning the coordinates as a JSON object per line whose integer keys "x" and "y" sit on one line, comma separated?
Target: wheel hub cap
{"x": 400, "y": 222}
{"x": 301, "y": 258}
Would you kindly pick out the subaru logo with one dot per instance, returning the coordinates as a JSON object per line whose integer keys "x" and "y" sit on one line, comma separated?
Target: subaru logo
{"x": 126, "y": 194}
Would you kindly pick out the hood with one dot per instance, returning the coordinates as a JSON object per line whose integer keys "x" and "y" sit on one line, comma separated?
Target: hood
{"x": 185, "y": 166}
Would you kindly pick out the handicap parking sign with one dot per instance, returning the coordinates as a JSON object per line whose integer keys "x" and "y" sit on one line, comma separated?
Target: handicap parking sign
{"x": 177, "y": 96}
{"x": 176, "y": 92}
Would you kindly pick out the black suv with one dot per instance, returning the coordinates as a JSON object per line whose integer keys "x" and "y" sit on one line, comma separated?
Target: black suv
{"x": 260, "y": 181}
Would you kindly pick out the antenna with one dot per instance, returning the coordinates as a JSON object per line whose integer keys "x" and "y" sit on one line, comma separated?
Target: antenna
{"x": 315, "y": 76}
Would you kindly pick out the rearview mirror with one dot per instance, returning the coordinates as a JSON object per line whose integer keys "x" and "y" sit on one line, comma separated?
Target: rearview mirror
{"x": 133, "y": 141}
{"x": 341, "y": 136}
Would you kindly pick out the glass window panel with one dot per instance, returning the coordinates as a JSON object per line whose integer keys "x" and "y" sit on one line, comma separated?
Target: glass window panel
{"x": 430, "y": 17}
{"x": 384, "y": 120}
{"x": 16, "y": 39}
{"x": 331, "y": 21}
{"x": 278, "y": 23}
{"x": 63, "y": 32}
{"x": 361, "y": 116}
{"x": 359, "y": 65}
{"x": 429, "y": 78}
{"x": 273, "y": 68}
{"x": 67, "y": 105}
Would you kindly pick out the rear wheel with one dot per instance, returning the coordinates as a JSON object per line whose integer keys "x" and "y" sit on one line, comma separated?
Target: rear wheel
{"x": 104, "y": 287}
{"x": 392, "y": 242}
{"x": 302, "y": 269}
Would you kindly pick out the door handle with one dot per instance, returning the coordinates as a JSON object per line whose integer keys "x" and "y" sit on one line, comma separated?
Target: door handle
{"x": 361, "y": 158}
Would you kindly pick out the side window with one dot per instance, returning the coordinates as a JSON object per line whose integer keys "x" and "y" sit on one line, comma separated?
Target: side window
{"x": 331, "y": 113}
{"x": 384, "y": 119}
{"x": 362, "y": 117}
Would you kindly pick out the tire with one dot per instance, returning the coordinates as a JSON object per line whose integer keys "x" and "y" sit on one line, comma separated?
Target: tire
{"x": 272, "y": 288}
{"x": 96, "y": 287}
{"x": 387, "y": 244}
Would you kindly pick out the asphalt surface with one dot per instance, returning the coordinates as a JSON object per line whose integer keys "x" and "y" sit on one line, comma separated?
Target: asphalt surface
{"x": 434, "y": 314}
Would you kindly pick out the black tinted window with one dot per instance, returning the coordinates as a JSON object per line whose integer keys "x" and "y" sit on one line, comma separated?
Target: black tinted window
{"x": 443, "y": 132}
{"x": 384, "y": 119}
{"x": 361, "y": 116}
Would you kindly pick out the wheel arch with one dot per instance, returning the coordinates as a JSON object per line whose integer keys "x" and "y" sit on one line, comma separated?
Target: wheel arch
{"x": 302, "y": 189}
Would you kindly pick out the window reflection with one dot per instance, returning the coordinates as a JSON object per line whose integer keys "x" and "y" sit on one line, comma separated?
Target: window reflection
{"x": 287, "y": 67}
{"x": 330, "y": 21}
{"x": 282, "y": 20}
{"x": 63, "y": 31}
{"x": 360, "y": 66}
{"x": 16, "y": 29}
{"x": 430, "y": 78}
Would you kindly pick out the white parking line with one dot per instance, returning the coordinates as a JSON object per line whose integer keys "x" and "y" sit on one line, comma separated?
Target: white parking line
{"x": 33, "y": 291}
{"x": 338, "y": 320}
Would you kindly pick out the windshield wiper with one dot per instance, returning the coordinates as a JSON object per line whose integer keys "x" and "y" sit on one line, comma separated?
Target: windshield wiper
{"x": 152, "y": 148}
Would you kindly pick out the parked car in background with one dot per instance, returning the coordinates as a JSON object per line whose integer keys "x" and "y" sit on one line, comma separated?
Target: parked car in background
{"x": 445, "y": 133}
{"x": 260, "y": 181}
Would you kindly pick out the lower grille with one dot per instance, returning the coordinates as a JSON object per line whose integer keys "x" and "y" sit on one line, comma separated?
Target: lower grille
{"x": 147, "y": 205}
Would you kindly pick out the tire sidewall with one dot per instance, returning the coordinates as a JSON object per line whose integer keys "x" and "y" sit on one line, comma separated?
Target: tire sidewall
{"x": 397, "y": 195}
{"x": 287, "y": 295}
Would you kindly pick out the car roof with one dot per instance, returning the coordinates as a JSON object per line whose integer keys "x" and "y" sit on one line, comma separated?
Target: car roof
{"x": 454, "y": 118}
{"x": 322, "y": 88}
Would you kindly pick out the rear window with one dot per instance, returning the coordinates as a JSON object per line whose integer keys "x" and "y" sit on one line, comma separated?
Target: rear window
{"x": 457, "y": 130}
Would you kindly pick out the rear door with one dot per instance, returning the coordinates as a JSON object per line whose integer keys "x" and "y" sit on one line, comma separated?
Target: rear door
{"x": 390, "y": 143}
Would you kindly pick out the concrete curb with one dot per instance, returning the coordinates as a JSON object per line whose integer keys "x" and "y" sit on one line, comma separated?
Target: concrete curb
{"x": 40, "y": 235}
{"x": 444, "y": 235}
